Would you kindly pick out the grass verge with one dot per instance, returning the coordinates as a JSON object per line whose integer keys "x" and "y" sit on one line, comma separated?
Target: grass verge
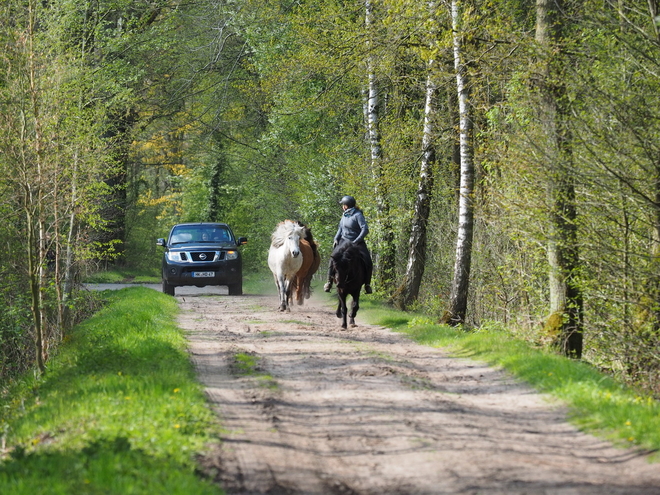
{"x": 597, "y": 404}
{"x": 259, "y": 283}
{"x": 118, "y": 411}
{"x": 118, "y": 276}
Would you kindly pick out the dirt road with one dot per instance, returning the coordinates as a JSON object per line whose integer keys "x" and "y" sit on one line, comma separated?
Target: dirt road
{"x": 365, "y": 411}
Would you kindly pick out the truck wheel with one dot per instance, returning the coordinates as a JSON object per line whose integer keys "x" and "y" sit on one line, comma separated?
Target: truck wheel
{"x": 168, "y": 288}
{"x": 236, "y": 289}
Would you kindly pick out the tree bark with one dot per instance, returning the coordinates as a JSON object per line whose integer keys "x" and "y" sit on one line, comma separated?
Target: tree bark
{"x": 385, "y": 255}
{"x": 216, "y": 182}
{"x": 654, "y": 12}
{"x": 463, "y": 260}
{"x": 34, "y": 204}
{"x": 563, "y": 258}
{"x": 418, "y": 234}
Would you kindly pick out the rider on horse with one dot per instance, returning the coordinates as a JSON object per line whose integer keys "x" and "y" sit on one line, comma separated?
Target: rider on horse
{"x": 352, "y": 228}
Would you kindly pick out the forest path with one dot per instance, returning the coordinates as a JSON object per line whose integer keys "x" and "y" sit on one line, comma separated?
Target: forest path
{"x": 367, "y": 411}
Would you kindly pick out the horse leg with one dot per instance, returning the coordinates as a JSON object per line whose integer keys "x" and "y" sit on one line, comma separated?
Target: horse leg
{"x": 300, "y": 290}
{"x": 292, "y": 291}
{"x": 342, "y": 310}
{"x": 355, "y": 305}
{"x": 287, "y": 296}
{"x": 282, "y": 288}
{"x": 308, "y": 281}
{"x": 279, "y": 289}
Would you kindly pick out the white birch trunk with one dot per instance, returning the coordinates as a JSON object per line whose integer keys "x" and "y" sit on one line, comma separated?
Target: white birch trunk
{"x": 460, "y": 285}
{"x": 385, "y": 257}
{"x": 418, "y": 239}
{"x": 371, "y": 106}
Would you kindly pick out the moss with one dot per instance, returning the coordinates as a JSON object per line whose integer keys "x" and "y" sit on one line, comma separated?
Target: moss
{"x": 552, "y": 329}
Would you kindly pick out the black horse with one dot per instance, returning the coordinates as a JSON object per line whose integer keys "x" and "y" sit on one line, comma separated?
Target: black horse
{"x": 349, "y": 273}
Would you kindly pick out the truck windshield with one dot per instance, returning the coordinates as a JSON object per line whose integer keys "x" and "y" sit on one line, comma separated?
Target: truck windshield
{"x": 183, "y": 235}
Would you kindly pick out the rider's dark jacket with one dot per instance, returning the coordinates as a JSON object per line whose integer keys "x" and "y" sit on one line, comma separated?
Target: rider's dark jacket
{"x": 352, "y": 226}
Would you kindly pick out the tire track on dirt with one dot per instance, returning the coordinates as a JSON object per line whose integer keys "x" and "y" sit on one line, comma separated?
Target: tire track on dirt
{"x": 366, "y": 411}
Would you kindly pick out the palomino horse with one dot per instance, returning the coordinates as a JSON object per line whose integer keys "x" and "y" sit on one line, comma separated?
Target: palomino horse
{"x": 284, "y": 258}
{"x": 349, "y": 277}
{"x": 310, "y": 264}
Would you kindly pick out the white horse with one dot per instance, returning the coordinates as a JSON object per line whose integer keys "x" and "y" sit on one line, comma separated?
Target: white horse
{"x": 284, "y": 258}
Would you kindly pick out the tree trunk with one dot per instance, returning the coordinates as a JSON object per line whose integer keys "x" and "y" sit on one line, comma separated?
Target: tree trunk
{"x": 216, "y": 183}
{"x": 461, "y": 282}
{"x": 114, "y": 205}
{"x": 654, "y": 11}
{"x": 69, "y": 272}
{"x": 386, "y": 254}
{"x": 418, "y": 239}
{"x": 565, "y": 293}
{"x": 34, "y": 274}
{"x": 68, "y": 269}
{"x": 655, "y": 256}
{"x": 34, "y": 205}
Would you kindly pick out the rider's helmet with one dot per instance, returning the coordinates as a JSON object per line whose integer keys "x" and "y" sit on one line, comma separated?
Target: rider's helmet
{"x": 348, "y": 201}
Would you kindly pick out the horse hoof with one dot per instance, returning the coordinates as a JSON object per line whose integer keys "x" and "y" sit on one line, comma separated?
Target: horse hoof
{"x": 353, "y": 325}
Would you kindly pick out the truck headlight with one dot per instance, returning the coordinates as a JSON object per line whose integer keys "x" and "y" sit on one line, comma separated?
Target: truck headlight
{"x": 232, "y": 255}
{"x": 173, "y": 256}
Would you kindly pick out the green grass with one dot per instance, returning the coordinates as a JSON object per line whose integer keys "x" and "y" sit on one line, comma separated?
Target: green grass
{"x": 249, "y": 365}
{"x": 118, "y": 411}
{"x": 119, "y": 276}
{"x": 597, "y": 403}
{"x": 259, "y": 283}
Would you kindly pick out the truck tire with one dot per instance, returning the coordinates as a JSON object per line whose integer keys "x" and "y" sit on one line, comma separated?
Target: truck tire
{"x": 168, "y": 288}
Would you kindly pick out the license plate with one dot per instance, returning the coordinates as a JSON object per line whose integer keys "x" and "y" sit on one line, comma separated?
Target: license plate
{"x": 203, "y": 274}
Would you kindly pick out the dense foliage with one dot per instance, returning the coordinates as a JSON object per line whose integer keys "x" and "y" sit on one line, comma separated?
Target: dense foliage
{"x": 124, "y": 117}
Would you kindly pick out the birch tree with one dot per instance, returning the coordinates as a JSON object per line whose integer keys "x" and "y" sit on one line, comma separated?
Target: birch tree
{"x": 422, "y": 207}
{"x": 463, "y": 258}
{"x": 385, "y": 254}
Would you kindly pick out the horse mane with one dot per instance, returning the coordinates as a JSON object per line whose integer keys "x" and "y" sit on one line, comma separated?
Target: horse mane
{"x": 282, "y": 232}
{"x": 308, "y": 236}
{"x": 345, "y": 252}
